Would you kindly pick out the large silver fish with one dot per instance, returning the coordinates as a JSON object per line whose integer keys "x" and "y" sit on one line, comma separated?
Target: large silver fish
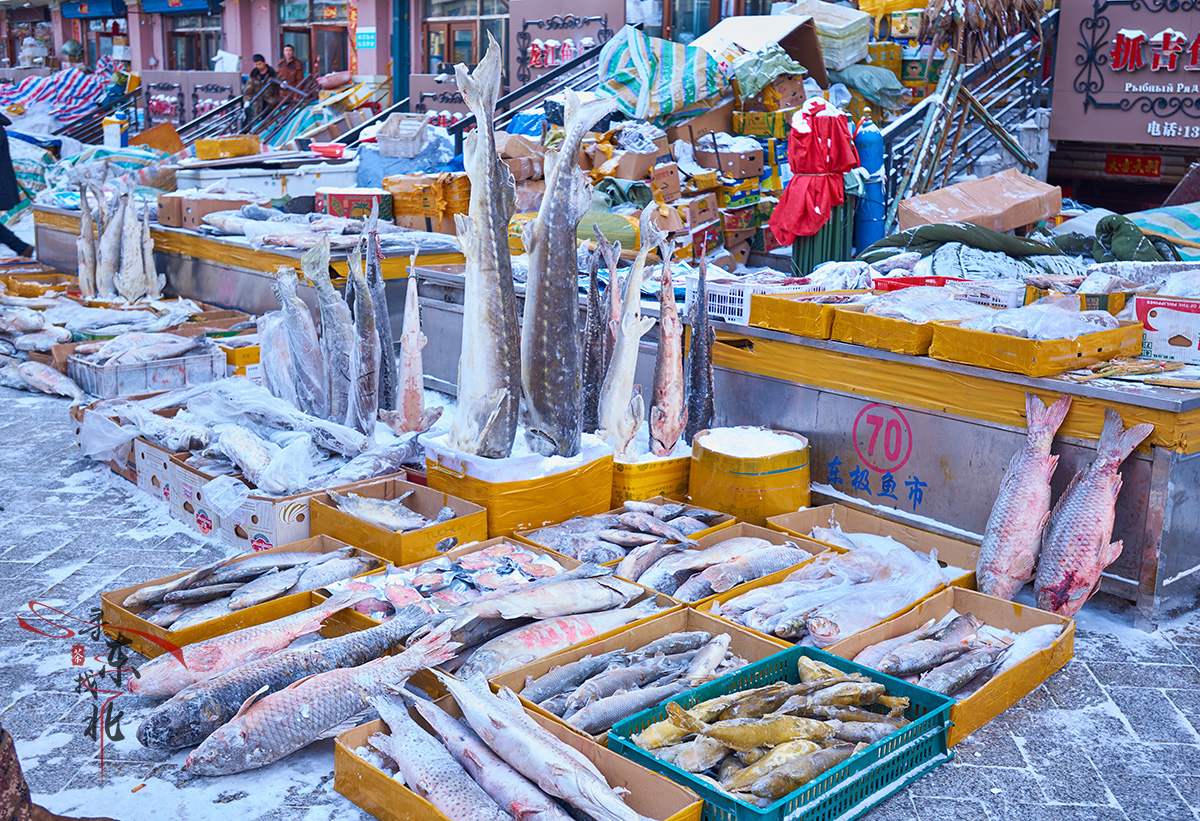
{"x": 622, "y": 408}
{"x": 592, "y": 369}
{"x": 274, "y": 357}
{"x": 155, "y": 282}
{"x": 42, "y": 377}
{"x": 337, "y": 329}
{"x": 388, "y": 376}
{"x": 1013, "y": 537}
{"x": 305, "y": 364}
{"x": 550, "y": 374}
{"x": 363, "y": 406}
{"x": 316, "y": 707}
{"x": 699, "y": 384}
{"x": 1076, "y": 547}
{"x": 194, "y": 713}
{"x": 86, "y": 246}
{"x": 108, "y": 255}
{"x": 130, "y": 278}
{"x": 489, "y": 372}
{"x": 668, "y": 407}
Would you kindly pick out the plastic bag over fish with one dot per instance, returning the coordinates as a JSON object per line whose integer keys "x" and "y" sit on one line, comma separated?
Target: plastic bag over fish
{"x": 103, "y": 439}
{"x": 225, "y": 494}
{"x": 1048, "y": 318}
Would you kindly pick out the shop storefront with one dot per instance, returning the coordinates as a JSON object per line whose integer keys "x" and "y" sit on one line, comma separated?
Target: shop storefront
{"x": 20, "y": 24}
{"x": 102, "y": 27}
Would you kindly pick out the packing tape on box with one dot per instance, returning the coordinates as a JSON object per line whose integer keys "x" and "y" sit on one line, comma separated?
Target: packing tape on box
{"x": 531, "y": 503}
{"x": 958, "y": 394}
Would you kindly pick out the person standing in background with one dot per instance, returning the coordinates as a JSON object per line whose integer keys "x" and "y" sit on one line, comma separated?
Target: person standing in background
{"x": 260, "y": 78}
{"x": 290, "y": 71}
{"x": 10, "y": 194}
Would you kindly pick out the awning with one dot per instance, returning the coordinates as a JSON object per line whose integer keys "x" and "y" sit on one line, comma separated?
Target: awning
{"x": 90, "y": 9}
{"x": 180, "y": 6}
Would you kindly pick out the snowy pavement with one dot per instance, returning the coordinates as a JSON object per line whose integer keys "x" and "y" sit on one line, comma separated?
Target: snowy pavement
{"x": 1112, "y": 737}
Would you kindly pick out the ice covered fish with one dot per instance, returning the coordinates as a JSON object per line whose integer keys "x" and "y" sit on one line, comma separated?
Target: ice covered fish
{"x": 166, "y": 675}
{"x": 320, "y": 706}
{"x": 195, "y": 712}
{"x": 41, "y": 377}
{"x": 1013, "y": 537}
{"x": 1076, "y": 546}
{"x": 390, "y": 514}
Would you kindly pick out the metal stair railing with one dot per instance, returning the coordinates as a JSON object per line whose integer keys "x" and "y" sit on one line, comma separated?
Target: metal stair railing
{"x": 90, "y": 127}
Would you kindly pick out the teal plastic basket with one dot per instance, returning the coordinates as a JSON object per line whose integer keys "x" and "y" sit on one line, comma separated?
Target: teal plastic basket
{"x": 845, "y": 792}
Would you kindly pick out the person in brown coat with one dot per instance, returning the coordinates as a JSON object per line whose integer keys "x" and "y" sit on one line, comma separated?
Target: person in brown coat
{"x": 260, "y": 77}
{"x": 15, "y": 801}
{"x": 290, "y": 70}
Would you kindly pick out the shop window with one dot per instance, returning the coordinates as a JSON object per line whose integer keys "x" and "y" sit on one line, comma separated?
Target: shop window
{"x": 101, "y": 34}
{"x": 318, "y": 32}
{"x": 455, "y": 31}
{"x": 192, "y": 41}
{"x": 17, "y": 32}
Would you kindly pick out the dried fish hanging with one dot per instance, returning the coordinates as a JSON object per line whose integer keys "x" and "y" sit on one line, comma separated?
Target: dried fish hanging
{"x": 976, "y": 29}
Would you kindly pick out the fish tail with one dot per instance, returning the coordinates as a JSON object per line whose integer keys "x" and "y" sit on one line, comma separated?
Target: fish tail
{"x": 481, "y": 88}
{"x": 677, "y": 716}
{"x": 1116, "y": 443}
{"x": 1044, "y": 420}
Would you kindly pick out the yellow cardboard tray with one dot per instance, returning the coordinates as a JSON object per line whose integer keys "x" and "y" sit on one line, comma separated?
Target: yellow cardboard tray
{"x": 748, "y": 644}
{"x": 721, "y": 523}
{"x": 469, "y": 525}
{"x": 1004, "y": 690}
{"x": 118, "y": 619}
{"x": 795, "y": 313}
{"x": 852, "y": 324}
{"x": 661, "y": 477}
{"x": 650, "y": 794}
{"x": 1033, "y": 357}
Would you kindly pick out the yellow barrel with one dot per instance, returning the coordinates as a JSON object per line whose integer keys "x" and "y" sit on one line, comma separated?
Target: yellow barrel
{"x": 643, "y": 480}
{"x": 750, "y": 487}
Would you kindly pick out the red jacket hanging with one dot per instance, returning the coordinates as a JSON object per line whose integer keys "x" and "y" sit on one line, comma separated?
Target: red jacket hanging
{"x": 819, "y": 152}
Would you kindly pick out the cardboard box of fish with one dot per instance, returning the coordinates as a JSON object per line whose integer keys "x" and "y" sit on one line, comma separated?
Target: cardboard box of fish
{"x": 398, "y": 520}
{"x": 985, "y": 652}
{"x": 420, "y": 761}
{"x": 862, "y": 580}
{"x": 594, "y": 686}
{"x": 230, "y": 594}
{"x": 610, "y": 537}
{"x": 800, "y": 734}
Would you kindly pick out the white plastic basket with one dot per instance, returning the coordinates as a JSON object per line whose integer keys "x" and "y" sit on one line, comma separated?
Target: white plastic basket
{"x": 729, "y": 301}
{"x": 998, "y": 294}
{"x": 107, "y": 381}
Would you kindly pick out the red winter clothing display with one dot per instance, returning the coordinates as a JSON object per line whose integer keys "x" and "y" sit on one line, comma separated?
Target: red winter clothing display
{"x": 820, "y": 150}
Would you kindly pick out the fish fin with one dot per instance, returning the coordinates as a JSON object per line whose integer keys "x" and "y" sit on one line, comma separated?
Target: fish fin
{"x": 349, "y": 724}
{"x": 298, "y": 682}
{"x": 677, "y": 716}
{"x": 261, "y": 691}
{"x": 1111, "y": 553}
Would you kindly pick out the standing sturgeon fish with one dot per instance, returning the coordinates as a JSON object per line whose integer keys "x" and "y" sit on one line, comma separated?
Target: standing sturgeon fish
{"x": 337, "y": 328}
{"x": 86, "y": 245}
{"x": 305, "y": 364}
{"x": 611, "y": 251}
{"x": 197, "y": 711}
{"x": 1076, "y": 548}
{"x": 383, "y": 317}
{"x": 1013, "y": 536}
{"x": 428, "y": 768}
{"x": 130, "y": 278}
{"x": 165, "y": 676}
{"x": 155, "y": 282}
{"x": 699, "y": 383}
{"x": 550, "y": 374}
{"x": 313, "y": 708}
{"x": 668, "y": 408}
{"x": 592, "y": 369}
{"x": 622, "y": 408}
{"x": 363, "y": 405}
{"x": 506, "y": 786}
{"x": 489, "y": 371}
{"x": 411, "y": 415}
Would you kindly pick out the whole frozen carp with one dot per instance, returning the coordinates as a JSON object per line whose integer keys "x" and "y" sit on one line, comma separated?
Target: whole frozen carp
{"x": 1013, "y": 537}
{"x": 316, "y": 707}
{"x": 557, "y": 768}
{"x": 337, "y": 329}
{"x": 389, "y": 514}
{"x": 622, "y": 408}
{"x": 194, "y": 713}
{"x": 46, "y": 379}
{"x": 540, "y": 639}
{"x": 1076, "y": 547}
{"x": 489, "y": 372}
{"x": 21, "y": 320}
{"x": 550, "y": 363}
{"x": 155, "y": 282}
{"x": 506, "y": 786}
{"x": 166, "y": 676}
{"x": 699, "y": 383}
{"x": 411, "y": 415}
{"x": 566, "y": 598}
{"x": 363, "y": 405}
{"x": 668, "y": 408}
{"x": 86, "y": 245}
{"x": 173, "y": 435}
{"x": 274, "y": 357}
{"x": 306, "y": 362}
{"x": 428, "y": 768}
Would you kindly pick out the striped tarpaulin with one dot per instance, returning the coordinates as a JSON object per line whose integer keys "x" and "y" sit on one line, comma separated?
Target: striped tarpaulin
{"x": 654, "y": 79}
{"x": 71, "y": 93}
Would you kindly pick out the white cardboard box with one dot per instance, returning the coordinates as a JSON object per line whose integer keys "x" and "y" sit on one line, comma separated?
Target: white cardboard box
{"x": 1171, "y": 327}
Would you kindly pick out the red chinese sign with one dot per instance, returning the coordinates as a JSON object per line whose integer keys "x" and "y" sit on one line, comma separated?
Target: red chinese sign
{"x": 1128, "y": 73}
{"x": 1130, "y": 165}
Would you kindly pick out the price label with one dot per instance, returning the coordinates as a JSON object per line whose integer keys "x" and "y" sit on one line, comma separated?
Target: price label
{"x": 882, "y": 438}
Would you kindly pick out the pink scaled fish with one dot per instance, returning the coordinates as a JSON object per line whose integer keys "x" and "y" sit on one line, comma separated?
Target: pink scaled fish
{"x": 412, "y": 415}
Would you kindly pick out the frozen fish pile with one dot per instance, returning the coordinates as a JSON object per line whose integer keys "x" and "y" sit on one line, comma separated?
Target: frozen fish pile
{"x": 607, "y": 537}
{"x": 763, "y": 744}
{"x": 925, "y": 304}
{"x": 839, "y": 594}
{"x": 230, "y": 585}
{"x": 444, "y": 583}
{"x": 955, "y": 655}
{"x": 691, "y": 575}
{"x": 595, "y": 692}
{"x": 136, "y": 347}
{"x": 1061, "y": 319}
{"x": 494, "y": 764}
{"x": 115, "y": 250}
{"x": 389, "y": 514}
